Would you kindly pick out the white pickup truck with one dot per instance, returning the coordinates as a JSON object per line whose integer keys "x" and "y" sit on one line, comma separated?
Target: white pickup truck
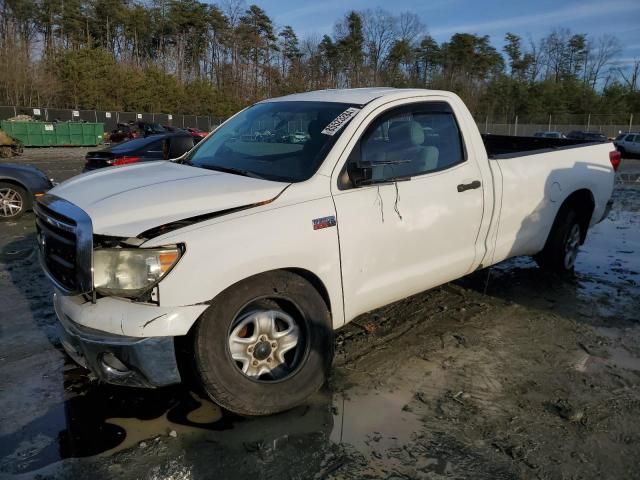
{"x": 237, "y": 261}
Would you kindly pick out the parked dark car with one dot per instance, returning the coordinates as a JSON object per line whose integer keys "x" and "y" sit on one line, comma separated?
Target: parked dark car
{"x": 124, "y": 132}
{"x": 149, "y": 129}
{"x": 590, "y": 136}
{"x": 549, "y": 135}
{"x": 154, "y": 147}
{"x": 19, "y": 184}
{"x": 172, "y": 129}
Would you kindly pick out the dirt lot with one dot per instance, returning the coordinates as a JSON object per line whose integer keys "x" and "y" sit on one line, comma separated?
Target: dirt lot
{"x": 508, "y": 373}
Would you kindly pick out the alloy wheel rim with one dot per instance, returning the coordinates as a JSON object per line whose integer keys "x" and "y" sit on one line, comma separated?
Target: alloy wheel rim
{"x": 10, "y": 202}
{"x": 265, "y": 344}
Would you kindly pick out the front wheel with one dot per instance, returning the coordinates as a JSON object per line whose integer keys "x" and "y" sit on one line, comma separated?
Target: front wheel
{"x": 563, "y": 244}
{"x": 13, "y": 201}
{"x": 264, "y": 345}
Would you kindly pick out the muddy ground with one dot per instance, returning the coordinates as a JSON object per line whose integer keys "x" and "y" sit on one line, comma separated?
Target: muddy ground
{"x": 507, "y": 373}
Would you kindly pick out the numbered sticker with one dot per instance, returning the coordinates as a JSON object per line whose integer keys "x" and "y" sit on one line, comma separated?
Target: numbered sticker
{"x": 48, "y": 127}
{"x": 107, "y": 114}
{"x": 340, "y": 121}
{"x": 76, "y": 113}
{"x": 36, "y": 111}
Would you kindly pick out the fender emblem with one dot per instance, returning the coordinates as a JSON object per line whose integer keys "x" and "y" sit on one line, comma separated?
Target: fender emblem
{"x": 324, "y": 222}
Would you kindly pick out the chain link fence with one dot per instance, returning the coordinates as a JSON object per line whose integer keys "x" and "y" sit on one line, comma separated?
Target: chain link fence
{"x": 610, "y": 125}
{"x": 110, "y": 119}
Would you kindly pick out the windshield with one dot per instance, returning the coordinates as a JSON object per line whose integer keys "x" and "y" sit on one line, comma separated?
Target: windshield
{"x": 281, "y": 141}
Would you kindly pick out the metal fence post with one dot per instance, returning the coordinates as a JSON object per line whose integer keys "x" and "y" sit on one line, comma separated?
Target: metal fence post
{"x": 588, "y": 122}
{"x": 515, "y": 128}
{"x": 486, "y": 124}
{"x": 95, "y": 113}
{"x": 630, "y": 122}
{"x": 549, "y": 129}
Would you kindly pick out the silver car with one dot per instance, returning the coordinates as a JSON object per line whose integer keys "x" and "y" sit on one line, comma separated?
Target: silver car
{"x": 629, "y": 144}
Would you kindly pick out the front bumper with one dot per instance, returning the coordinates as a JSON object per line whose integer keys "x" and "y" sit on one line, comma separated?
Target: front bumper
{"x": 132, "y": 361}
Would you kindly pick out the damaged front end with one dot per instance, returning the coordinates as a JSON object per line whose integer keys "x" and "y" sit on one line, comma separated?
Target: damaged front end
{"x": 107, "y": 300}
{"x": 118, "y": 359}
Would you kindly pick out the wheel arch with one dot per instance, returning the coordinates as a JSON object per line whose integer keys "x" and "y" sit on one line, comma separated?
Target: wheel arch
{"x": 308, "y": 275}
{"x": 315, "y": 281}
{"x": 583, "y": 203}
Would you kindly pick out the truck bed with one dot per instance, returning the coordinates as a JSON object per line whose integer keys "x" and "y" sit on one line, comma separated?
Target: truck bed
{"x": 506, "y": 146}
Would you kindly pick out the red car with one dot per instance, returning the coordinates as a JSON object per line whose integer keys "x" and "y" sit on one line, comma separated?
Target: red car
{"x": 196, "y": 133}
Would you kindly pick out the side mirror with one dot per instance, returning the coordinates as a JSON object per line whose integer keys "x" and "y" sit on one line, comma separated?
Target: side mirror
{"x": 375, "y": 170}
{"x": 366, "y": 173}
{"x": 175, "y": 147}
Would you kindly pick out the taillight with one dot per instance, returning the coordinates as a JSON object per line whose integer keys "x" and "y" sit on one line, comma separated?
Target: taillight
{"x": 125, "y": 160}
{"x": 615, "y": 157}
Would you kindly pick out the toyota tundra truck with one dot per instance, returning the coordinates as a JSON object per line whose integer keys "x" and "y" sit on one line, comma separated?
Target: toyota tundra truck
{"x": 235, "y": 263}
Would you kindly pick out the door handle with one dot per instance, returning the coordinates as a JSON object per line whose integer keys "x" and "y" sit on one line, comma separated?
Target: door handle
{"x": 469, "y": 186}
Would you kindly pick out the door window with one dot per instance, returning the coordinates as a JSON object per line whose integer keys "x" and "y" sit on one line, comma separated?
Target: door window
{"x": 413, "y": 140}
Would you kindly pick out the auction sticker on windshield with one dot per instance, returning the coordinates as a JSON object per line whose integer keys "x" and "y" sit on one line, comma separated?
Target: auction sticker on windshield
{"x": 340, "y": 121}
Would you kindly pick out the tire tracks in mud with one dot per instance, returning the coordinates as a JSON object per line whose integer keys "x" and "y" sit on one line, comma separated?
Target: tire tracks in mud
{"x": 505, "y": 386}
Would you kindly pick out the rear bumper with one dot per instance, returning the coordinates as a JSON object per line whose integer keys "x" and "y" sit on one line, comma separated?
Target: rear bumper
{"x": 118, "y": 359}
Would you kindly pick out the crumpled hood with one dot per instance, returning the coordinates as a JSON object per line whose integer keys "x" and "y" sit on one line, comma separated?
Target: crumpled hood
{"x": 126, "y": 201}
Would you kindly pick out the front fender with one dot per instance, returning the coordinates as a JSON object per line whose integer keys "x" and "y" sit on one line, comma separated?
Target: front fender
{"x": 224, "y": 252}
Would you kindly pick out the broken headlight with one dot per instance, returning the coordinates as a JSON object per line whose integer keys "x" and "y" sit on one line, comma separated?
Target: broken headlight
{"x": 130, "y": 271}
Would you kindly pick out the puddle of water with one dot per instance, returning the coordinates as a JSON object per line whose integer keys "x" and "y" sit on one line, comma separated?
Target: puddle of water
{"x": 379, "y": 423}
{"x": 102, "y": 420}
{"x": 374, "y": 420}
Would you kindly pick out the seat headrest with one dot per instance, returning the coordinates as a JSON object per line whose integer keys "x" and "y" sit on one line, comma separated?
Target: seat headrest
{"x": 407, "y": 132}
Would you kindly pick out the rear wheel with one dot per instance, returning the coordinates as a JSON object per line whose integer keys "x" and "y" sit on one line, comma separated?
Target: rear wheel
{"x": 13, "y": 201}
{"x": 265, "y": 345}
{"x": 563, "y": 244}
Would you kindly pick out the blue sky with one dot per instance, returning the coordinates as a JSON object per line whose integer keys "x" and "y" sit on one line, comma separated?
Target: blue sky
{"x": 484, "y": 17}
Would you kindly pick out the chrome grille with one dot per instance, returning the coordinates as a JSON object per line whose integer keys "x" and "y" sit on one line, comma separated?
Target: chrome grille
{"x": 65, "y": 241}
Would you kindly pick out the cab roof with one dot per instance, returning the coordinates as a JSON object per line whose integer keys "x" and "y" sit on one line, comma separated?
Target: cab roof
{"x": 358, "y": 96}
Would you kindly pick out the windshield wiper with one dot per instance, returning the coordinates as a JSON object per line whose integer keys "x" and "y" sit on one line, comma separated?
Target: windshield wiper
{"x": 232, "y": 170}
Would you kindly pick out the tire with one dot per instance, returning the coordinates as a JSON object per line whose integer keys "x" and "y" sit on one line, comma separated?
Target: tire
{"x": 14, "y": 201}
{"x": 242, "y": 316}
{"x": 561, "y": 249}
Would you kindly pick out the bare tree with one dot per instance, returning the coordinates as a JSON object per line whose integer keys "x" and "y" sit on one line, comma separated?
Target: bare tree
{"x": 631, "y": 76}
{"x": 538, "y": 61}
{"x": 410, "y": 27}
{"x": 600, "y": 54}
{"x": 379, "y": 28}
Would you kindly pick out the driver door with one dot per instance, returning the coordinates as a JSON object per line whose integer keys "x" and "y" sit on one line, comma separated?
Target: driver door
{"x": 417, "y": 226}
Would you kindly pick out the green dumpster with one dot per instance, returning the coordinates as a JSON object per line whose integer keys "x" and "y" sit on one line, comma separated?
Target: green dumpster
{"x": 55, "y": 134}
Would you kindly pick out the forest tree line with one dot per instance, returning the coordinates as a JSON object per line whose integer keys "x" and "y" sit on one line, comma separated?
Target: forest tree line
{"x": 185, "y": 56}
